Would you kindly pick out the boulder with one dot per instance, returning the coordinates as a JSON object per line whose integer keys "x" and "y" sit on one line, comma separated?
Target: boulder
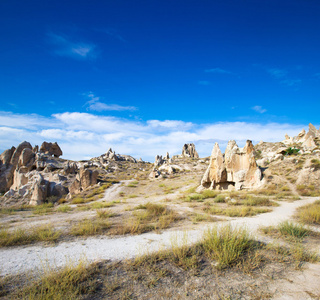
{"x": 70, "y": 168}
{"x": 51, "y": 149}
{"x": 40, "y": 190}
{"x": 309, "y": 144}
{"x": 83, "y": 180}
{"x": 27, "y": 158}
{"x": 189, "y": 150}
{"x": 236, "y": 169}
{"x": 154, "y": 174}
{"x": 6, "y": 155}
{"x": 16, "y": 155}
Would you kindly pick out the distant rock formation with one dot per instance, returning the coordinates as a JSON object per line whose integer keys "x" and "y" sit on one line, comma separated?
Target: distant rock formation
{"x": 31, "y": 176}
{"x": 236, "y": 169}
{"x": 308, "y": 141}
{"x": 189, "y": 150}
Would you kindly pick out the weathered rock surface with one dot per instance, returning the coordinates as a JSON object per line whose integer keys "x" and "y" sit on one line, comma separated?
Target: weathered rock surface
{"x": 308, "y": 141}
{"x": 83, "y": 180}
{"x": 236, "y": 169}
{"x": 189, "y": 150}
{"x": 51, "y": 149}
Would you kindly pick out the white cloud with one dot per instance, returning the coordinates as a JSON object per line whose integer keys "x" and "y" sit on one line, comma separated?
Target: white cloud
{"x": 218, "y": 70}
{"x": 85, "y": 135}
{"x": 64, "y": 46}
{"x": 259, "y": 109}
{"x": 94, "y": 104}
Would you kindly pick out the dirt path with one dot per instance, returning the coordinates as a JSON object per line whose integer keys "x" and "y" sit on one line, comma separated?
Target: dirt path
{"x": 15, "y": 260}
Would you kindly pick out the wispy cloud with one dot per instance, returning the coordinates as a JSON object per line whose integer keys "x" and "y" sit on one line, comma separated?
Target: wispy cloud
{"x": 218, "y": 71}
{"x": 277, "y": 73}
{"x": 94, "y": 104}
{"x": 65, "y": 46}
{"x": 282, "y": 76}
{"x": 85, "y": 135}
{"x": 259, "y": 109}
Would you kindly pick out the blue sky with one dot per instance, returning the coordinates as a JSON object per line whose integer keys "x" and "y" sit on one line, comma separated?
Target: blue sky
{"x": 144, "y": 77}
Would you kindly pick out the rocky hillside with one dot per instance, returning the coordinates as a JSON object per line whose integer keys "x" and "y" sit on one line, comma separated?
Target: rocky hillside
{"x": 33, "y": 175}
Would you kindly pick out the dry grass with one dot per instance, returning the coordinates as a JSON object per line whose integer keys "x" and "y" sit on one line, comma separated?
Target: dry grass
{"x": 146, "y": 218}
{"x": 226, "y": 245}
{"x": 90, "y": 227}
{"x": 21, "y": 236}
{"x": 289, "y": 230}
{"x": 77, "y": 200}
{"x": 63, "y": 208}
{"x": 237, "y": 211}
{"x": 70, "y": 282}
{"x": 43, "y": 209}
{"x": 310, "y": 213}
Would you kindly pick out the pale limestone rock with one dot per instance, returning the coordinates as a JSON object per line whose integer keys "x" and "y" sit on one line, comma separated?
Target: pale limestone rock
{"x": 40, "y": 190}
{"x": 189, "y": 150}
{"x": 154, "y": 174}
{"x": 6, "y": 155}
{"x": 237, "y": 168}
{"x": 26, "y": 159}
{"x": 51, "y": 149}
{"x": 309, "y": 144}
{"x": 17, "y": 152}
{"x": 83, "y": 180}
{"x": 158, "y": 161}
{"x": 20, "y": 178}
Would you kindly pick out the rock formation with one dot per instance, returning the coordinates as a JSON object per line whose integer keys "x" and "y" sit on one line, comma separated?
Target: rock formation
{"x": 83, "y": 180}
{"x": 308, "y": 141}
{"x": 31, "y": 176}
{"x": 52, "y": 149}
{"x": 236, "y": 169}
{"x": 189, "y": 150}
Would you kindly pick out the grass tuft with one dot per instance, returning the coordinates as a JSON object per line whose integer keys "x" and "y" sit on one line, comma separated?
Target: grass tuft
{"x": 69, "y": 282}
{"x": 310, "y": 213}
{"x": 226, "y": 245}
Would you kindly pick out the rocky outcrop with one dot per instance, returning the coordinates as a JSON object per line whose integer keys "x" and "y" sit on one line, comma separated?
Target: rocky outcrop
{"x": 8, "y": 164}
{"x": 308, "y": 141}
{"x": 83, "y": 180}
{"x": 236, "y": 169}
{"x": 189, "y": 150}
{"x": 51, "y": 149}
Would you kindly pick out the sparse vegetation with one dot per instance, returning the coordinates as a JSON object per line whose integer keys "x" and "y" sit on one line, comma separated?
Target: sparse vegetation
{"x": 291, "y": 151}
{"x": 310, "y": 213}
{"x": 70, "y": 282}
{"x": 226, "y": 245}
{"x": 89, "y": 227}
{"x": 21, "y": 236}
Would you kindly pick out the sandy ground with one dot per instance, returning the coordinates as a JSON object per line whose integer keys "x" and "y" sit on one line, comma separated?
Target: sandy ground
{"x": 15, "y": 260}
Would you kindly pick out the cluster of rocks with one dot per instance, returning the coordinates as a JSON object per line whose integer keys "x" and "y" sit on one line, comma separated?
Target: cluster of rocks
{"x": 308, "y": 141}
{"x": 32, "y": 175}
{"x": 164, "y": 165}
{"x": 305, "y": 142}
{"x": 235, "y": 169}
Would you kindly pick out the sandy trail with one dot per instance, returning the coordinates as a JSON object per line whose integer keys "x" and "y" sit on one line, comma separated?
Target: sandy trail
{"x": 20, "y": 259}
